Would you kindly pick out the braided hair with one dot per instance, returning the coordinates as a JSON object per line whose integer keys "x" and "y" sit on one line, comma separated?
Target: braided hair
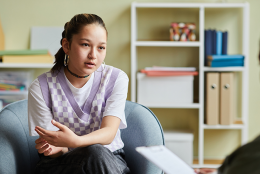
{"x": 72, "y": 27}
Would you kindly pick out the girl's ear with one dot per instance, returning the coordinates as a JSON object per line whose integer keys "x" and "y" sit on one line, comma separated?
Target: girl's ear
{"x": 65, "y": 45}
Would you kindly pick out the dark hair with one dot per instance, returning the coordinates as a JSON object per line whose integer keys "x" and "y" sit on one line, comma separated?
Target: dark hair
{"x": 72, "y": 27}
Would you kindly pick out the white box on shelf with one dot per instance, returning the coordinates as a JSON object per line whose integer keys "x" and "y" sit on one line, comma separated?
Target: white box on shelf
{"x": 167, "y": 90}
{"x": 181, "y": 144}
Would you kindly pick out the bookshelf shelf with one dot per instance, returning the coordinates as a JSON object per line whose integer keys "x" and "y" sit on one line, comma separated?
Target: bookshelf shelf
{"x": 176, "y": 105}
{"x": 202, "y": 9}
{"x": 167, "y": 44}
{"x": 13, "y": 92}
{"x": 224, "y": 69}
{"x": 189, "y": 5}
{"x": 25, "y": 65}
{"x": 233, "y": 126}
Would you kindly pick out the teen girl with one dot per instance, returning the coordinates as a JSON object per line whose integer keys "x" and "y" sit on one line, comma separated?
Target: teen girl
{"x": 77, "y": 108}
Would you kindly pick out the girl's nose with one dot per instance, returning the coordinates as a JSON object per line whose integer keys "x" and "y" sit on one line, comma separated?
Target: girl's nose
{"x": 92, "y": 54}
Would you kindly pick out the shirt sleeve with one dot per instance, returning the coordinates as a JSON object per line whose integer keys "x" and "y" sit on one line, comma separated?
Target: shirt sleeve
{"x": 115, "y": 104}
{"x": 38, "y": 112}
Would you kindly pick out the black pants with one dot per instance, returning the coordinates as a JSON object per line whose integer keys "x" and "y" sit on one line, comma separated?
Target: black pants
{"x": 94, "y": 159}
{"x": 244, "y": 160}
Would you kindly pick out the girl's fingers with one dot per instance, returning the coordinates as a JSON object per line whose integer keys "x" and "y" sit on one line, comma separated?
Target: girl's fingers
{"x": 39, "y": 132}
{"x": 47, "y": 152}
{"x": 43, "y": 131}
{"x": 58, "y": 125}
{"x": 39, "y": 140}
{"x": 44, "y": 148}
{"x": 40, "y": 145}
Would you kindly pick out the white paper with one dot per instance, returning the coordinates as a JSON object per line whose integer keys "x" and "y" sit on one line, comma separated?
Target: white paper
{"x": 165, "y": 159}
{"x": 46, "y": 38}
{"x": 160, "y": 68}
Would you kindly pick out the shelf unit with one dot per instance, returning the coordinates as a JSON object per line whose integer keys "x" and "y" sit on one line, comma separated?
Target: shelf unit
{"x": 21, "y": 65}
{"x": 200, "y": 45}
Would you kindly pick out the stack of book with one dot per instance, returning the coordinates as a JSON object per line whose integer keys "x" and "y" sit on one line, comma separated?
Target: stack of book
{"x": 169, "y": 71}
{"x": 216, "y": 50}
{"x": 26, "y": 56}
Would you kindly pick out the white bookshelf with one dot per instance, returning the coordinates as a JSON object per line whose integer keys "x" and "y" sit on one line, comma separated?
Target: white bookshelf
{"x": 135, "y": 43}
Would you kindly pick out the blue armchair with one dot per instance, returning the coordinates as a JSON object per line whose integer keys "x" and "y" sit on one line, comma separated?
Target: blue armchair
{"x": 18, "y": 155}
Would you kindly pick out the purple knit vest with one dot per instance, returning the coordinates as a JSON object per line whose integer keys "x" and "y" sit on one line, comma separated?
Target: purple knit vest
{"x": 59, "y": 98}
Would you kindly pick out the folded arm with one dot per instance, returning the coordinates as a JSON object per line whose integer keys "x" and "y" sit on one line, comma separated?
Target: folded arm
{"x": 66, "y": 138}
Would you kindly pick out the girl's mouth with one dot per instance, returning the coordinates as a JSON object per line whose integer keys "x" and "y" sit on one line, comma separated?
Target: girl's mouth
{"x": 90, "y": 65}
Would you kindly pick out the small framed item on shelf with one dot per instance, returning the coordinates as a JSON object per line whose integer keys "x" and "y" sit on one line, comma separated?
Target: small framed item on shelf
{"x": 182, "y": 32}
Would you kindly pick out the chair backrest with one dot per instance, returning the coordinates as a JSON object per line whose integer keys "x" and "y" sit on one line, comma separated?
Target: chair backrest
{"x": 143, "y": 129}
{"x": 17, "y": 148}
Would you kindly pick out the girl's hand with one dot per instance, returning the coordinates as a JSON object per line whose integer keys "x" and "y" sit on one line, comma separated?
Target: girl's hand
{"x": 62, "y": 138}
{"x": 48, "y": 150}
{"x": 205, "y": 171}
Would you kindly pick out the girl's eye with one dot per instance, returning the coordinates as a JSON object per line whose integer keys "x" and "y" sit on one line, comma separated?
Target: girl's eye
{"x": 86, "y": 45}
{"x": 102, "y": 48}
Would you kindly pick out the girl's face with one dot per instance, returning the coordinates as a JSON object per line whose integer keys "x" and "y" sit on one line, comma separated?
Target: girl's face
{"x": 87, "y": 50}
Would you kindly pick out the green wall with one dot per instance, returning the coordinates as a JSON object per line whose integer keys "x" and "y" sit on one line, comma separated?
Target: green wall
{"x": 18, "y": 17}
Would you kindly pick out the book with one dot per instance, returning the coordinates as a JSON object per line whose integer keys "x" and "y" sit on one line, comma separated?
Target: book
{"x": 47, "y": 58}
{"x": 219, "y": 43}
{"x": 225, "y": 63}
{"x": 161, "y": 68}
{"x": 225, "y": 57}
{"x": 169, "y": 73}
{"x": 212, "y": 98}
{"x": 23, "y": 52}
{"x": 208, "y": 44}
{"x": 224, "y": 42}
{"x": 214, "y": 42}
{"x": 165, "y": 159}
{"x": 226, "y": 98}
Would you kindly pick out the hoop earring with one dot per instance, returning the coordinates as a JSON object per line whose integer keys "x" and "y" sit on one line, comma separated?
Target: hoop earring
{"x": 66, "y": 60}
{"x": 101, "y": 65}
